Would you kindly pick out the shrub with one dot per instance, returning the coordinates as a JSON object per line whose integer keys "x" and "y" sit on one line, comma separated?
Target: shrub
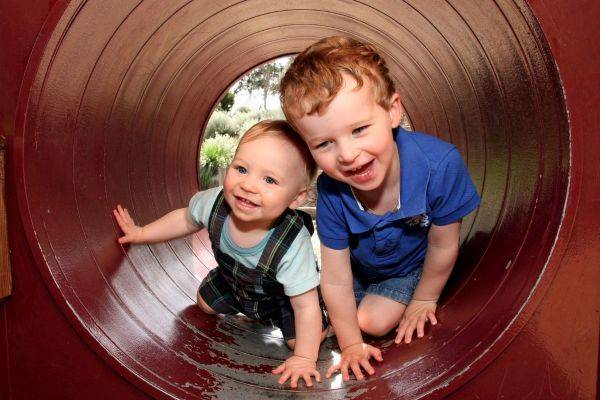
{"x": 243, "y": 109}
{"x": 242, "y": 121}
{"x": 215, "y": 153}
{"x": 219, "y": 124}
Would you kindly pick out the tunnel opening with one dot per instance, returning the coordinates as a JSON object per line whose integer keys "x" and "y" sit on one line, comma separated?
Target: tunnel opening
{"x": 114, "y": 108}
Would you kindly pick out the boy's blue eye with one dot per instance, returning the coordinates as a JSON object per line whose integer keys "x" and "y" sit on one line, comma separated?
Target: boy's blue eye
{"x": 240, "y": 169}
{"x": 270, "y": 180}
{"x": 323, "y": 144}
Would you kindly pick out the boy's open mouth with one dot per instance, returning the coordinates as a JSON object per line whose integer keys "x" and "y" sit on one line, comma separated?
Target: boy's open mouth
{"x": 360, "y": 172}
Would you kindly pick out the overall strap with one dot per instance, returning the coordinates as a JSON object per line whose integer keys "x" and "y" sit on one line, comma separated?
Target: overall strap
{"x": 307, "y": 221}
{"x": 218, "y": 215}
{"x": 286, "y": 229}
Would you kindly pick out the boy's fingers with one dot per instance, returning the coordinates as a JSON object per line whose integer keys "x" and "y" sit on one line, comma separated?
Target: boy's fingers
{"x": 401, "y": 332}
{"x": 421, "y": 327}
{"x": 317, "y": 376}
{"x": 432, "y": 318}
{"x": 409, "y": 332}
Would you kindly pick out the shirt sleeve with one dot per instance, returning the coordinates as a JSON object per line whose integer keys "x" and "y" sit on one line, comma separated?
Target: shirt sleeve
{"x": 298, "y": 267}
{"x": 201, "y": 205}
{"x": 452, "y": 193}
{"x": 331, "y": 225}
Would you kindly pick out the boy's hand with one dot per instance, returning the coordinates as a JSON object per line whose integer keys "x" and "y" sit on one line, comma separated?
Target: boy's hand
{"x": 297, "y": 367}
{"x": 355, "y": 357}
{"x": 133, "y": 233}
{"x": 417, "y": 313}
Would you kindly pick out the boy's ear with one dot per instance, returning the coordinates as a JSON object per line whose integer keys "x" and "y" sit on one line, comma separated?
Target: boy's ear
{"x": 300, "y": 198}
{"x": 395, "y": 110}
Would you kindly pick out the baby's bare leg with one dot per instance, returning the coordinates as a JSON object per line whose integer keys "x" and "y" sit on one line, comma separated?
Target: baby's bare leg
{"x": 202, "y": 304}
{"x": 377, "y": 315}
{"x": 292, "y": 342}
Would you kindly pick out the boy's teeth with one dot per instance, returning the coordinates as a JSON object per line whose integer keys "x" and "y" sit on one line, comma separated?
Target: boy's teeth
{"x": 361, "y": 168}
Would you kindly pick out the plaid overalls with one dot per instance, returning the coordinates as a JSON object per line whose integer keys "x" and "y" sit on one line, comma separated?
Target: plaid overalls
{"x": 231, "y": 287}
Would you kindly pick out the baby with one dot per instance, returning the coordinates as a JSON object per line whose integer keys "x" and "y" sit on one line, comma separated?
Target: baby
{"x": 266, "y": 264}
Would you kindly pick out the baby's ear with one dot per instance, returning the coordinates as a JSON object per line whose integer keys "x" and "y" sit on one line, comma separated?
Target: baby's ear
{"x": 300, "y": 198}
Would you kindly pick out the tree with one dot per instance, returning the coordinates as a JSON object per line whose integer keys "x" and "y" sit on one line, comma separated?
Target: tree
{"x": 226, "y": 102}
{"x": 265, "y": 78}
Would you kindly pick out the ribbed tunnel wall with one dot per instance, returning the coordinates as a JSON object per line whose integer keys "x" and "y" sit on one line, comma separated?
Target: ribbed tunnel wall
{"x": 115, "y": 99}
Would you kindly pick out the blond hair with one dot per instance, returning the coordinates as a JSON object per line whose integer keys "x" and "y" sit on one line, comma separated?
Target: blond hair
{"x": 315, "y": 77}
{"x": 282, "y": 129}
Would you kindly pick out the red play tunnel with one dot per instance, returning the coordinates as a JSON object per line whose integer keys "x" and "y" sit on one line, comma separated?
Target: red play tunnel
{"x": 104, "y": 102}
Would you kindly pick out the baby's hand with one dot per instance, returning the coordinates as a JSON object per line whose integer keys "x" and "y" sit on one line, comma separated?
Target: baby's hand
{"x": 415, "y": 316}
{"x": 133, "y": 233}
{"x": 355, "y": 357}
{"x": 297, "y": 367}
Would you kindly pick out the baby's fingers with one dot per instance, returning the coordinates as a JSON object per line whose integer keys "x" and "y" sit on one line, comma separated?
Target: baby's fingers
{"x": 344, "y": 371}
{"x": 284, "y": 377}
{"x": 279, "y": 369}
{"x": 316, "y": 374}
{"x": 307, "y": 379}
{"x": 367, "y": 366}
{"x": 294, "y": 380}
{"x": 375, "y": 353}
{"x": 332, "y": 369}
{"x": 356, "y": 370}
{"x": 124, "y": 240}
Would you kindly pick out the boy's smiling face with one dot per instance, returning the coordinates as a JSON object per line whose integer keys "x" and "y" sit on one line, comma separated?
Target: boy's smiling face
{"x": 352, "y": 141}
{"x": 266, "y": 176}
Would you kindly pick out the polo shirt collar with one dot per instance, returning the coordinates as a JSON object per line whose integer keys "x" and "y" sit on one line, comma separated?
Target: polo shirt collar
{"x": 414, "y": 175}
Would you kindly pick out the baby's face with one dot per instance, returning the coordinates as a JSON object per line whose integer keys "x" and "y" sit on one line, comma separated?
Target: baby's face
{"x": 266, "y": 176}
{"x": 352, "y": 141}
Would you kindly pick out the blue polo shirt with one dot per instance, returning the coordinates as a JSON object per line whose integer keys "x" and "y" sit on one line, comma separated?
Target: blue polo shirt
{"x": 435, "y": 187}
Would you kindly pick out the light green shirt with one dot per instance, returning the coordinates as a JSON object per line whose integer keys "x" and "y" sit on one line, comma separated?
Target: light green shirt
{"x": 297, "y": 270}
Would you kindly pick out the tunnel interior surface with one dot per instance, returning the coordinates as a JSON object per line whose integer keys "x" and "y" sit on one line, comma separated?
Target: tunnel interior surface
{"x": 115, "y": 101}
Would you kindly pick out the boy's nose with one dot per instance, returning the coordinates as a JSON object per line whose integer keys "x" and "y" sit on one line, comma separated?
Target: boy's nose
{"x": 347, "y": 154}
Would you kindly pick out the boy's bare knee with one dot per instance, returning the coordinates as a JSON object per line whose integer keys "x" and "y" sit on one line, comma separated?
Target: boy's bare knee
{"x": 374, "y": 325}
{"x": 203, "y": 306}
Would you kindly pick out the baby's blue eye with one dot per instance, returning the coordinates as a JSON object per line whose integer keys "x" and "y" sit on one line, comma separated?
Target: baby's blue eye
{"x": 360, "y": 129}
{"x": 240, "y": 169}
{"x": 270, "y": 180}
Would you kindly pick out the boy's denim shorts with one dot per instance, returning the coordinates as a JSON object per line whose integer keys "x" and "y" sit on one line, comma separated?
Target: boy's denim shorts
{"x": 399, "y": 289}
